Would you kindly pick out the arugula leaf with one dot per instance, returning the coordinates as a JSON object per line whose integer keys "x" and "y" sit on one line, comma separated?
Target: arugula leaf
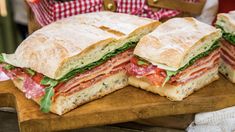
{"x": 1, "y": 58}
{"x": 8, "y": 67}
{"x": 45, "y": 102}
{"x": 48, "y": 81}
{"x": 206, "y": 53}
{"x": 227, "y": 36}
{"x": 169, "y": 74}
{"x": 30, "y": 71}
{"x": 140, "y": 62}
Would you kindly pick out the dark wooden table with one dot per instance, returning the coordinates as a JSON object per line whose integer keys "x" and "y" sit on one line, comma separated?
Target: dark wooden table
{"x": 8, "y": 123}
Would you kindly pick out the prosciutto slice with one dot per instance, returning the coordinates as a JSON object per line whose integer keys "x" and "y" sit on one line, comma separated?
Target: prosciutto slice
{"x": 86, "y": 84}
{"x": 31, "y": 88}
{"x": 228, "y": 53}
{"x": 199, "y": 68}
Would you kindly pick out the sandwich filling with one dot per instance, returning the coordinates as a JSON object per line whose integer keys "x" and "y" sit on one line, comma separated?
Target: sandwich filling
{"x": 198, "y": 65}
{"x": 227, "y": 46}
{"x": 36, "y": 85}
{"x": 230, "y": 37}
{"x": 228, "y": 53}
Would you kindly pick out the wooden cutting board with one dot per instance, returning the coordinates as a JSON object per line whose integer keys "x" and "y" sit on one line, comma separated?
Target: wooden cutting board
{"x": 127, "y": 104}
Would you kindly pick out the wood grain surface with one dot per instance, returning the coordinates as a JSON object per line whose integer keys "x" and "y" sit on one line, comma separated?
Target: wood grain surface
{"x": 127, "y": 104}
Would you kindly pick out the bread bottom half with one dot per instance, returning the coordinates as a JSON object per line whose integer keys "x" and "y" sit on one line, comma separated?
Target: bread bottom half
{"x": 63, "y": 104}
{"x": 227, "y": 70}
{"x": 177, "y": 93}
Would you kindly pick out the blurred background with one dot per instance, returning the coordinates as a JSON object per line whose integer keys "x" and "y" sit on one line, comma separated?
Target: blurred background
{"x": 13, "y": 24}
{"x": 14, "y": 16}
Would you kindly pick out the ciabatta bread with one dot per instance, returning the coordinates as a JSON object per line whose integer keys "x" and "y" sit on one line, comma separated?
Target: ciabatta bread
{"x": 180, "y": 56}
{"x": 226, "y": 21}
{"x": 87, "y": 43}
{"x": 172, "y": 44}
{"x": 71, "y": 43}
{"x": 227, "y": 70}
{"x": 63, "y": 104}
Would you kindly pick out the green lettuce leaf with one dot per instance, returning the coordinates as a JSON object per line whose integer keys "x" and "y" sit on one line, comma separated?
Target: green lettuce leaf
{"x": 227, "y": 36}
{"x": 206, "y": 53}
{"x": 73, "y": 73}
{"x": 48, "y": 81}
{"x": 140, "y": 62}
{"x": 169, "y": 74}
{"x": 191, "y": 62}
{"x": 30, "y": 71}
{"x": 9, "y": 67}
{"x": 45, "y": 102}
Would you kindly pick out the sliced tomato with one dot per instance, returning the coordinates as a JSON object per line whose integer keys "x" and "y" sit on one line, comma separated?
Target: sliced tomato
{"x": 162, "y": 72}
{"x": 38, "y": 77}
{"x": 156, "y": 79}
{"x": 134, "y": 60}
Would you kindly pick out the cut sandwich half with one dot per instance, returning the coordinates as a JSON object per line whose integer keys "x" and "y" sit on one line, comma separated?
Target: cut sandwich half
{"x": 76, "y": 60}
{"x": 226, "y": 22}
{"x": 177, "y": 58}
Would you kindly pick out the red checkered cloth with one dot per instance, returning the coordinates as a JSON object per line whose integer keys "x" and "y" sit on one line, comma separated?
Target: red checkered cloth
{"x": 47, "y": 11}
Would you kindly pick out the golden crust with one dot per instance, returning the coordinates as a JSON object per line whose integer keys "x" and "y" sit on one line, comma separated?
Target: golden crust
{"x": 50, "y": 48}
{"x": 137, "y": 32}
{"x": 171, "y": 42}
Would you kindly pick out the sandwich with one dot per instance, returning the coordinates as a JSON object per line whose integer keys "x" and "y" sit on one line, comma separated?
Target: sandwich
{"x": 76, "y": 60}
{"x": 177, "y": 58}
{"x": 226, "y": 22}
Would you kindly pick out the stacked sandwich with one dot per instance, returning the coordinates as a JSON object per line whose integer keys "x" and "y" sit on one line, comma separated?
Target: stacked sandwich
{"x": 226, "y": 22}
{"x": 82, "y": 58}
{"x": 76, "y": 60}
{"x": 177, "y": 58}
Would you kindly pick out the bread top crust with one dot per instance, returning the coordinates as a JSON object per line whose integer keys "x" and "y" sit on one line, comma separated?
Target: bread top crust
{"x": 227, "y": 21}
{"x": 46, "y": 49}
{"x": 171, "y": 41}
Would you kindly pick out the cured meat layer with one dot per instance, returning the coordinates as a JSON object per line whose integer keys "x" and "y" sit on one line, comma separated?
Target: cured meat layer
{"x": 228, "y": 53}
{"x": 33, "y": 89}
{"x": 156, "y": 76}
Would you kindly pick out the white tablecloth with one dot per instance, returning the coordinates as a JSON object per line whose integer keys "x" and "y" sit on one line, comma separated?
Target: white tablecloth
{"x": 217, "y": 121}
